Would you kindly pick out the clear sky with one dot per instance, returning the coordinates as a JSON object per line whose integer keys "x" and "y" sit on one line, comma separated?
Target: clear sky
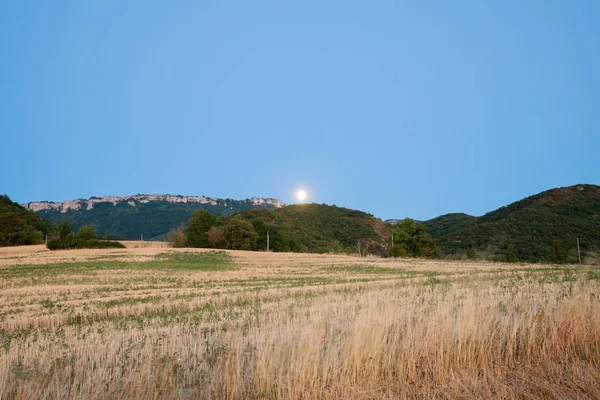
{"x": 395, "y": 108}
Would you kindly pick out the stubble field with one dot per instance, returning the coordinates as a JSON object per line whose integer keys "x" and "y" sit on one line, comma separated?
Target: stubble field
{"x": 149, "y": 322}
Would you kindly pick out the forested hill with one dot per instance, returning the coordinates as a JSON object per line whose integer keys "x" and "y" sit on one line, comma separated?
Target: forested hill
{"x": 448, "y": 223}
{"x": 151, "y": 215}
{"x": 543, "y": 227}
{"x": 317, "y": 228}
{"x": 19, "y": 226}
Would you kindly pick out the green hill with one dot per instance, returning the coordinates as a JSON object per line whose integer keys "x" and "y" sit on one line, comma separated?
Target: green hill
{"x": 316, "y": 228}
{"x": 448, "y": 223}
{"x": 19, "y": 226}
{"x": 538, "y": 228}
{"x": 131, "y": 216}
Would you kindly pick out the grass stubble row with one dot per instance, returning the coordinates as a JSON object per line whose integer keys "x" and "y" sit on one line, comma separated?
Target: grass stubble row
{"x": 321, "y": 332}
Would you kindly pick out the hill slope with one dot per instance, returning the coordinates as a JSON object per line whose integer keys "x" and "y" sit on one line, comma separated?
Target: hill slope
{"x": 151, "y": 215}
{"x": 316, "y": 227}
{"x": 20, "y": 226}
{"x": 448, "y": 223}
{"x": 531, "y": 226}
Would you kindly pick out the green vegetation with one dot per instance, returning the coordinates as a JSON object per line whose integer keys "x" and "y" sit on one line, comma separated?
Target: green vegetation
{"x": 198, "y": 227}
{"x": 540, "y": 228}
{"x": 238, "y": 234}
{"x": 448, "y": 223}
{"x": 153, "y": 219}
{"x": 299, "y": 228}
{"x": 316, "y": 228}
{"x": 410, "y": 239}
{"x": 186, "y": 261}
{"x": 19, "y": 226}
{"x": 207, "y": 261}
{"x": 85, "y": 239}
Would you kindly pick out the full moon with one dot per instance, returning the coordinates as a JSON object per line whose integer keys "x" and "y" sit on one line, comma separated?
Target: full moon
{"x": 301, "y": 195}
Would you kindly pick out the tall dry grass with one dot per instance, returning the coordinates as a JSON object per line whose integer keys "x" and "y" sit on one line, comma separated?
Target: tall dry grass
{"x": 414, "y": 339}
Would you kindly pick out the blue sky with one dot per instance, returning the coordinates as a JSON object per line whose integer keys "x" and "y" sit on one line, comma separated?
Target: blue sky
{"x": 395, "y": 108}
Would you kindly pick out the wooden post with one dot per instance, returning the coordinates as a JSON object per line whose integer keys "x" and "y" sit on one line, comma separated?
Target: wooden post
{"x": 267, "y": 241}
{"x": 578, "y": 252}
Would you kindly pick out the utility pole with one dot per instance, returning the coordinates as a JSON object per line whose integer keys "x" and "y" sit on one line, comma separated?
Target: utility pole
{"x": 392, "y": 239}
{"x": 141, "y": 237}
{"x": 578, "y": 252}
{"x": 267, "y": 241}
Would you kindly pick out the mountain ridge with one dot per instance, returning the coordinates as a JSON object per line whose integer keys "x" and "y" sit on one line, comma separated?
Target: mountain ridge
{"x": 89, "y": 203}
{"x": 147, "y": 215}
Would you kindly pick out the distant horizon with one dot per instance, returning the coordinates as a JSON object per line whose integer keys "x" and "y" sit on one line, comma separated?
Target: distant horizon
{"x": 293, "y": 203}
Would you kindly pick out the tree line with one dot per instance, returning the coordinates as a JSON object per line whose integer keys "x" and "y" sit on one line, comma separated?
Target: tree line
{"x": 248, "y": 231}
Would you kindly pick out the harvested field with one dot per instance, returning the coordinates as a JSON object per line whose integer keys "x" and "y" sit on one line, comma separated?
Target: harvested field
{"x": 152, "y": 322}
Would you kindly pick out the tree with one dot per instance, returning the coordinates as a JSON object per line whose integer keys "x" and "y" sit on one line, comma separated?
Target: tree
{"x": 362, "y": 246}
{"x": 558, "y": 252}
{"x": 335, "y": 247}
{"x": 216, "y": 237}
{"x": 64, "y": 229}
{"x": 176, "y": 236}
{"x": 239, "y": 234}
{"x": 87, "y": 232}
{"x": 198, "y": 227}
{"x": 511, "y": 255}
{"x": 410, "y": 239}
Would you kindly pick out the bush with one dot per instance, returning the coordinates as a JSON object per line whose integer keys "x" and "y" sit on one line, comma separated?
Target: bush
{"x": 97, "y": 244}
{"x": 60, "y": 244}
{"x": 321, "y": 250}
{"x": 176, "y": 236}
{"x": 87, "y": 232}
{"x": 216, "y": 237}
{"x": 85, "y": 239}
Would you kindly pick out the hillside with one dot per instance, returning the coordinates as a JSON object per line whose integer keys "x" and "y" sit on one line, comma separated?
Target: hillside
{"x": 537, "y": 228}
{"x": 449, "y": 223}
{"x": 19, "y": 226}
{"x": 131, "y": 216}
{"x": 316, "y": 227}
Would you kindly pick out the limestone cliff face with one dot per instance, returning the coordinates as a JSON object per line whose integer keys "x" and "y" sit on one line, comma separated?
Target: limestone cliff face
{"x": 88, "y": 204}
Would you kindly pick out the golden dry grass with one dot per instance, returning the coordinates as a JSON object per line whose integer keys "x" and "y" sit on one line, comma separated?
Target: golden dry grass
{"x": 135, "y": 323}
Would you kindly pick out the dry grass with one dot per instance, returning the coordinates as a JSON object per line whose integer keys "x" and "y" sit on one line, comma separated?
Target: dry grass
{"x": 137, "y": 324}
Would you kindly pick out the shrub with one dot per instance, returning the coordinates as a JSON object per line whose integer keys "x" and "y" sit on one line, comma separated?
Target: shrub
{"x": 216, "y": 237}
{"x": 176, "y": 236}
{"x": 321, "y": 250}
{"x": 85, "y": 239}
{"x": 87, "y": 232}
